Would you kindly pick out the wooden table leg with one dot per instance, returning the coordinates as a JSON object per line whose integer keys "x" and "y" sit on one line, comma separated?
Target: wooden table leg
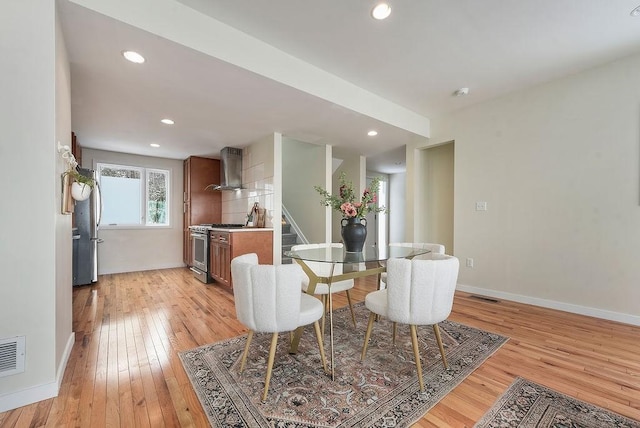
{"x": 314, "y": 280}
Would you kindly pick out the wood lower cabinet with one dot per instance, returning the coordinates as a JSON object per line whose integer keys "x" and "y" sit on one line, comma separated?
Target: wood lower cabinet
{"x": 220, "y": 257}
{"x": 224, "y": 246}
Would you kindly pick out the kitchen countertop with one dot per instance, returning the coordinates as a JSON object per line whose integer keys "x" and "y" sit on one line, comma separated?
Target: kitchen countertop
{"x": 241, "y": 229}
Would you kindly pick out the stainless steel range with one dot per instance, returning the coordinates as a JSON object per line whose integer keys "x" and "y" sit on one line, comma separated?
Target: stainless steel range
{"x": 200, "y": 248}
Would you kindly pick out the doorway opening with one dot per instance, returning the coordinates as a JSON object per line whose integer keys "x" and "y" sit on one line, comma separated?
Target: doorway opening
{"x": 436, "y": 195}
{"x": 377, "y": 225}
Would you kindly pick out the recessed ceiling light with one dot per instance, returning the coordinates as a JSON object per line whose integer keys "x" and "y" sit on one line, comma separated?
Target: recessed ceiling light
{"x": 461, "y": 92}
{"x": 381, "y": 11}
{"x": 167, "y": 121}
{"x": 372, "y": 133}
{"x": 636, "y": 11}
{"x": 154, "y": 145}
{"x": 133, "y": 57}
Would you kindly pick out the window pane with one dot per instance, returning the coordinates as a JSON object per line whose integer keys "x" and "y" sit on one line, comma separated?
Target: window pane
{"x": 121, "y": 195}
{"x": 134, "y": 196}
{"x": 157, "y": 198}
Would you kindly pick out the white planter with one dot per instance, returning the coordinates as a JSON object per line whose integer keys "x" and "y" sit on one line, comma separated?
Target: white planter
{"x": 80, "y": 191}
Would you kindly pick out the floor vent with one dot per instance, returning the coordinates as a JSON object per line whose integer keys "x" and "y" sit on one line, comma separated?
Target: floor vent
{"x": 486, "y": 299}
{"x": 12, "y": 355}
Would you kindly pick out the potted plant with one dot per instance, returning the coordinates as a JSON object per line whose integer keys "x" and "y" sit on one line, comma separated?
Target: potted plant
{"x": 81, "y": 185}
{"x": 354, "y": 209}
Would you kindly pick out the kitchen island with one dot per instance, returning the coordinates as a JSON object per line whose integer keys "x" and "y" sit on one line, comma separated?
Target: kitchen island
{"x": 227, "y": 243}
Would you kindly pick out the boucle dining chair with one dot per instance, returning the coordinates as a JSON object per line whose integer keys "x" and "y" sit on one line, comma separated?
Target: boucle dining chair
{"x": 419, "y": 292}
{"x": 324, "y": 269}
{"x": 268, "y": 300}
{"x": 434, "y": 248}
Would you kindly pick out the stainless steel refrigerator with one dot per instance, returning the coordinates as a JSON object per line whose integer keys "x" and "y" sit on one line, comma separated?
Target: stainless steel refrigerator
{"x": 87, "y": 215}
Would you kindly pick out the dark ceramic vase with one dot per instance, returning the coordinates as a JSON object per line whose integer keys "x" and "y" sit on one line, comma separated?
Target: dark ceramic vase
{"x": 354, "y": 233}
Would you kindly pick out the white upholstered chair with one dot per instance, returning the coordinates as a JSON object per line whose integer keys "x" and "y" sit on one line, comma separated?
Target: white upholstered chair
{"x": 324, "y": 269}
{"x": 434, "y": 248}
{"x": 268, "y": 300}
{"x": 419, "y": 292}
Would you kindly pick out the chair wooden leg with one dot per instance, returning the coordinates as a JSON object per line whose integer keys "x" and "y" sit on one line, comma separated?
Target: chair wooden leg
{"x": 246, "y": 350}
{"x": 416, "y": 354}
{"x": 272, "y": 355}
{"x": 436, "y": 331}
{"x": 372, "y": 318}
{"x": 353, "y": 314}
{"x": 395, "y": 330}
{"x": 316, "y": 325}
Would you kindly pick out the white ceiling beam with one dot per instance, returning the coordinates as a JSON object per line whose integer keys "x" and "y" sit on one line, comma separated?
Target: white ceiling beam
{"x": 180, "y": 24}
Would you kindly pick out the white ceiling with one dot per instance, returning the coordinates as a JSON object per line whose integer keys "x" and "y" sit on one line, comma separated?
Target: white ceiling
{"x": 414, "y": 60}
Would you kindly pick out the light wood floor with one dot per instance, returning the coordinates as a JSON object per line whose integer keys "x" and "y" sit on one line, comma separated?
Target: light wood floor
{"x": 124, "y": 370}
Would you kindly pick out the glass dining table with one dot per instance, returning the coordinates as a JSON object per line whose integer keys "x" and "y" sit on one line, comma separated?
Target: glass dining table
{"x": 370, "y": 261}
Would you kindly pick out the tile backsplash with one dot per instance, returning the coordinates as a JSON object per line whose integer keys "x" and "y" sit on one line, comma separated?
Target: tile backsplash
{"x": 257, "y": 187}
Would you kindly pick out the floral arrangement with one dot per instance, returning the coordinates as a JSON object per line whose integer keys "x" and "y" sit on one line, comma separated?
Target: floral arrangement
{"x": 346, "y": 202}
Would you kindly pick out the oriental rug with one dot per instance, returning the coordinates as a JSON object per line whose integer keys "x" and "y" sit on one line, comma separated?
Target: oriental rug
{"x": 526, "y": 404}
{"x": 380, "y": 391}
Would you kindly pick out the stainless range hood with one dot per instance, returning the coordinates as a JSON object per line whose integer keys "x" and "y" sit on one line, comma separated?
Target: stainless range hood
{"x": 230, "y": 170}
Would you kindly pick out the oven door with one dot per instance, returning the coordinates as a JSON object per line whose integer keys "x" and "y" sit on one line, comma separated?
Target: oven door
{"x": 200, "y": 251}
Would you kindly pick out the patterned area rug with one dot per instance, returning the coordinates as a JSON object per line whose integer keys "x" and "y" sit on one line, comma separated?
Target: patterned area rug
{"x": 527, "y": 404}
{"x": 381, "y": 391}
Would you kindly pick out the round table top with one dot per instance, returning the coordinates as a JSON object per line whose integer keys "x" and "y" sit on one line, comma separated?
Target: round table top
{"x": 325, "y": 253}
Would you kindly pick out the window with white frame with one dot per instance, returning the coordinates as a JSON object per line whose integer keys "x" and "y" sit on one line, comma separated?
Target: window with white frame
{"x": 134, "y": 196}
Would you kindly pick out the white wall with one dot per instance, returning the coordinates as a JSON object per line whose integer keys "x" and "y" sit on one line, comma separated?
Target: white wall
{"x": 397, "y": 202}
{"x": 303, "y": 168}
{"x": 36, "y": 273}
{"x": 144, "y": 248}
{"x": 414, "y": 178}
{"x": 63, "y": 246}
{"x": 558, "y": 165}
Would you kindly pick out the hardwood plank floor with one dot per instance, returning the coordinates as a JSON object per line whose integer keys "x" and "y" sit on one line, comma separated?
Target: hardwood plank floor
{"x": 124, "y": 369}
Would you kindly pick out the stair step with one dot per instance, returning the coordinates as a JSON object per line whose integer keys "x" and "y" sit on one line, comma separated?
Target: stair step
{"x": 289, "y": 238}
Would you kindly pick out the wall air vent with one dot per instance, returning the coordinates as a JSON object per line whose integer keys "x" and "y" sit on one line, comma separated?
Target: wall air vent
{"x": 12, "y": 355}
{"x": 485, "y": 298}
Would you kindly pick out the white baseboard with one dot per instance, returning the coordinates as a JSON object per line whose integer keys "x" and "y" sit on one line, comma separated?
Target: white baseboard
{"x": 552, "y": 304}
{"x": 37, "y": 393}
{"x": 140, "y": 268}
{"x": 65, "y": 358}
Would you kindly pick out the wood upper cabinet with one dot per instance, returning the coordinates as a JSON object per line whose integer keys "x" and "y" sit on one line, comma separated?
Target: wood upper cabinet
{"x": 200, "y": 206}
{"x": 76, "y": 149}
